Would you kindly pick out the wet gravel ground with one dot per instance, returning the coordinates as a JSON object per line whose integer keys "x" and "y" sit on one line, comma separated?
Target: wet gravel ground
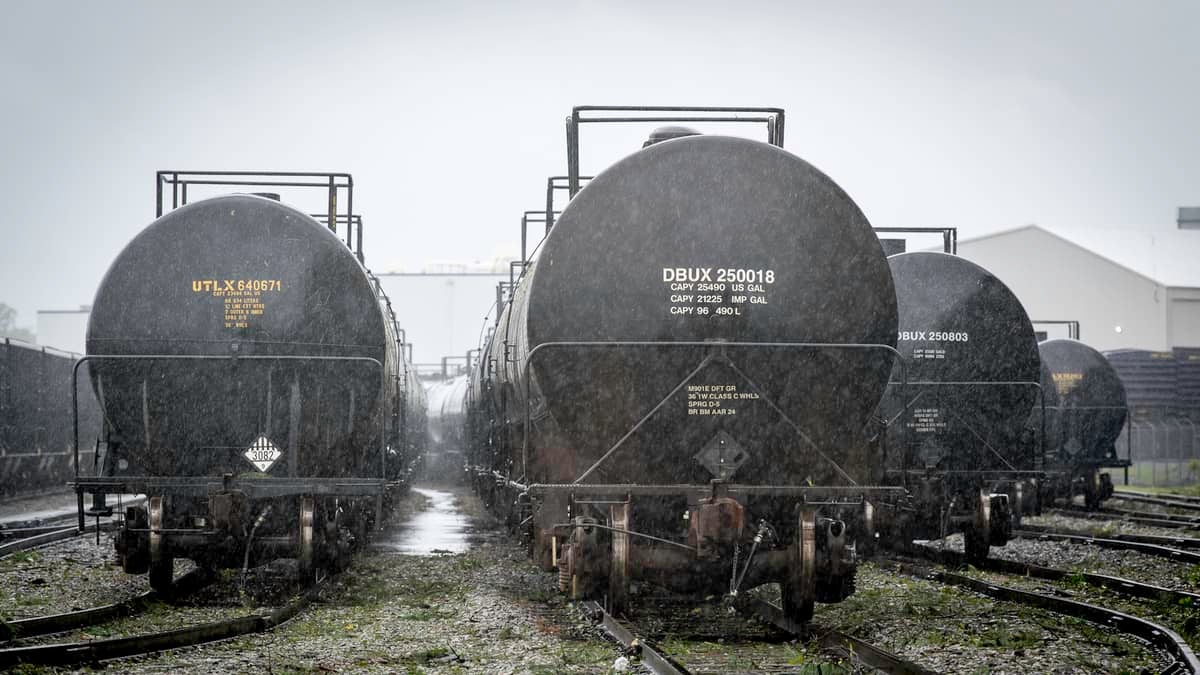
{"x": 36, "y": 582}
{"x": 487, "y": 610}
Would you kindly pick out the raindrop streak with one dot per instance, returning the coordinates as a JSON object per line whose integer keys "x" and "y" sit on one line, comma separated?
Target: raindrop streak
{"x": 438, "y": 529}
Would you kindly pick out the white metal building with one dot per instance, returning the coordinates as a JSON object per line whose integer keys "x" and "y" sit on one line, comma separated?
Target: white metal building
{"x": 1128, "y": 288}
{"x": 64, "y": 329}
{"x": 442, "y": 313}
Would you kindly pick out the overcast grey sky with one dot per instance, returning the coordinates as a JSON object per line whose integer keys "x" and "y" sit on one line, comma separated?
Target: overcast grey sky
{"x": 449, "y": 114}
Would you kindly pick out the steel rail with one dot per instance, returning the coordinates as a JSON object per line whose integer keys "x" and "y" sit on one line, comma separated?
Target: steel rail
{"x": 13, "y": 533}
{"x": 652, "y": 659}
{"x": 1187, "y": 543}
{"x": 1159, "y": 550}
{"x": 58, "y": 623}
{"x": 1181, "y": 521}
{"x": 1139, "y": 517}
{"x": 1159, "y": 636}
{"x": 50, "y": 537}
{"x": 92, "y": 651}
{"x": 844, "y": 644}
{"x": 1134, "y": 493}
{"x": 1120, "y": 585}
{"x": 1158, "y": 501}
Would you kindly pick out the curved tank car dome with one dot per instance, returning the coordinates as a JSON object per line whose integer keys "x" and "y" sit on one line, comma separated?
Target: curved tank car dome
{"x": 1089, "y": 397}
{"x": 708, "y": 238}
{"x": 972, "y": 365}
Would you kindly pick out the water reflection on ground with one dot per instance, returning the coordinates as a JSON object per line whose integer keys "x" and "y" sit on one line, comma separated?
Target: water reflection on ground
{"x": 438, "y": 529}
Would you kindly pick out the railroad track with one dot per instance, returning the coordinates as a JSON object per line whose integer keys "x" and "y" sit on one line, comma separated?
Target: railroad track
{"x": 652, "y": 656}
{"x": 1168, "y": 521}
{"x": 1180, "y": 497}
{"x": 59, "y": 623}
{"x": 95, "y": 651}
{"x": 1166, "y": 641}
{"x": 1160, "y": 550}
{"x": 1185, "y": 543}
{"x": 43, "y": 536}
{"x": 1121, "y": 585}
{"x": 39, "y": 531}
{"x": 1182, "y": 504}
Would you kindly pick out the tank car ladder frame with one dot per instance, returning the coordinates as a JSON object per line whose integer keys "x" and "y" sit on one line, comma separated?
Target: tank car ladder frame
{"x": 773, "y": 118}
{"x": 334, "y": 182}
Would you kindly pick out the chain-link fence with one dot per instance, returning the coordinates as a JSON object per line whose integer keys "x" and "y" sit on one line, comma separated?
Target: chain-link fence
{"x": 1164, "y": 449}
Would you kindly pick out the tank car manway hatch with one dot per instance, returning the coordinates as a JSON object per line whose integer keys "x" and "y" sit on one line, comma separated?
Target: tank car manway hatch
{"x": 617, "y": 408}
{"x": 253, "y": 378}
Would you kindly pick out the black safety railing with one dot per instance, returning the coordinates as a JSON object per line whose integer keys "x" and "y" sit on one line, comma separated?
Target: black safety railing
{"x": 772, "y": 118}
{"x": 534, "y": 218}
{"x": 949, "y": 235}
{"x": 335, "y": 184}
{"x": 554, "y": 185}
{"x": 1072, "y": 325}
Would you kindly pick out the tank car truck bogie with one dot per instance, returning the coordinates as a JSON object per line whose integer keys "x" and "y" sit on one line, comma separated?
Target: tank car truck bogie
{"x": 254, "y": 383}
{"x": 599, "y": 549}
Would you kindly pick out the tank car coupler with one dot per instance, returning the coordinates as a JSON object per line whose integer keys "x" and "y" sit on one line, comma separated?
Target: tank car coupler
{"x": 714, "y": 525}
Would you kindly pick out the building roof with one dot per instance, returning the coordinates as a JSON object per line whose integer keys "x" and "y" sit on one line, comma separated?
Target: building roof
{"x": 1170, "y": 257}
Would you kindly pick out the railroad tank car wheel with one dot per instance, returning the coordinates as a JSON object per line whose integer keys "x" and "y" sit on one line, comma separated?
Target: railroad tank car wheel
{"x": 134, "y": 547}
{"x": 162, "y": 563}
{"x": 1001, "y": 520}
{"x": 864, "y": 543}
{"x": 1106, "y": 486}
{"x": 977, "y": 535}
{"x": 1091, "y": 490}
{"x": 799, "y": 586}
{"x": 305, "y": 555}
{"x": 1018, "y": 502}
{"x": 618, "y": 570}
{"x": 582, "y": 558}
{"x": 339, "y": 538}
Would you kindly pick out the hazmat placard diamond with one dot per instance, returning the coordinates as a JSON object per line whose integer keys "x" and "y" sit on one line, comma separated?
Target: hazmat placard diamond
{"x": 262, "y": 453}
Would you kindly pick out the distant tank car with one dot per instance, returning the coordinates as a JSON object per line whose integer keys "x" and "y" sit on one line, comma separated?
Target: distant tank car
{"x": 445, "y": 454}
{"x": 1086, "y": 410}
{"x": 252, "y": 388}
{"x": 677, "y": 389}
{"x": 958, "y": 404}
